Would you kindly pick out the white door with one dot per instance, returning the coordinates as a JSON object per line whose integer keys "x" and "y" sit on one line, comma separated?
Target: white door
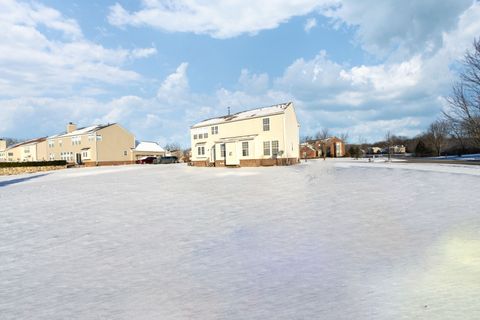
{"x": 231, "y": 157}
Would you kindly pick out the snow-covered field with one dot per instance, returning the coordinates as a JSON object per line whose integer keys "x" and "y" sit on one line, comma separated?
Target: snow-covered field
{"x": 321, "y": 240}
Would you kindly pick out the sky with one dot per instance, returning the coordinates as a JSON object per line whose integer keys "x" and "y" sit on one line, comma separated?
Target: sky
{"x": 157, "y": 67}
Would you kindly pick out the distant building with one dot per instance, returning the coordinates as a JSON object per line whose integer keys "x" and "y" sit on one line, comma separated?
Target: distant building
{"x": 264, "y": 136}
{"x": 308, "y": 151}
{"x": 332, "y": 146}
{"x": 30, "y": 150}
{"x": 94, "y": 145}
{"x": 147, "y": 149}
{"x": 399, "y": 149}
{"x": 374, "y": 150}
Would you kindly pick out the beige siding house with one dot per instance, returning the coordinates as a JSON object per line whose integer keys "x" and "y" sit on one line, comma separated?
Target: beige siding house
{"x": 94, "y": 145}
{"x": 264, "y": 136}
{"x": 31, "y": 150}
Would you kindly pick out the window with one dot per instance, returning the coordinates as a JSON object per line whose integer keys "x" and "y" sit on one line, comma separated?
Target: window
{"x": 91, "y": 137}
{"x": 222, "y": 151}
{"x": 201, "y": 151}
{"x": 195, "y": 137}
{"x": 205, "y": 135}
{"x": 76, "y": 140}
{"x": 52, "y": 156}
{"x": 266, "y": 124}
{"x": 60, "y": 142}
{"x": 245, "y": 149}
{"x": 51, "y": 143}
{"x": 10, "y": 154}
{"x": 214, "y": 130}
{"x": 266, "y": 148}
{"x": 99, "y": 138}
{"x": 200, "y": 136}
{"x": 125, "y": 152}
{"x": 274, "y": 148}
{"x": 26, "y": 150}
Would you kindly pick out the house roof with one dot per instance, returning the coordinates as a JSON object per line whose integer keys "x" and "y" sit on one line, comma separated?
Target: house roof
{"x": 84, "y": 130}
{"x": 247, "y": 114}
{"x": 25, "y": 143}
{"x": 332, "y": 138}
{"x": 148, "y": 146}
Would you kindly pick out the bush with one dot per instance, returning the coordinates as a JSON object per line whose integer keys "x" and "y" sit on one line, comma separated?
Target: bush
{"x": 33, "y": 164}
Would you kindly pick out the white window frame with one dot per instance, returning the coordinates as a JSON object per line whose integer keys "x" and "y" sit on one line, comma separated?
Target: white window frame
{"x": 275, "y": 148}
{"x": 266, "y": 124}
{"x": 266, "y": 148}
{"x": 245, "y": 148}
{"x": 223, "y": 150}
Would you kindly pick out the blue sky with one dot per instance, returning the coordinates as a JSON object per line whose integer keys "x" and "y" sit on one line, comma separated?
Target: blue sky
{"x": 158, "y": 66}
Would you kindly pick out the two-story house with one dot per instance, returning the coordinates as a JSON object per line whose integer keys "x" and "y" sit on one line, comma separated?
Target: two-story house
{"x": 94, "y": 145}
{"x": 30, "y": 150}
{"x": 264, "y": 136}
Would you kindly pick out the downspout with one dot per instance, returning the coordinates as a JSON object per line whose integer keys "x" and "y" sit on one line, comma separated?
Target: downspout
{"x": 96, "y": 150}
{"x": 284, "y": 134}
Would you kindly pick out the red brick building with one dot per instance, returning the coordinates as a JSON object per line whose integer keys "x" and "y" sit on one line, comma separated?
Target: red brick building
{"x": 333, "y": 148}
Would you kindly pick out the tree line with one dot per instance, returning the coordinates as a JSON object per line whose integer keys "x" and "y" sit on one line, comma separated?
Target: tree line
{"x": 455, "y": 132}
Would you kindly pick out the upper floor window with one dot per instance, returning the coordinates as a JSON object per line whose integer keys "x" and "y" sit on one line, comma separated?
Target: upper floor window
{"x": 266, "y": 124}
{"x": 200, "y": 136}
{"x": 195, "y": 137}
{"x": 51, "y": 143}
{"x": 245, "y": 149}
{"x": 76, "y": 140}
{"x": 214, "y": 130}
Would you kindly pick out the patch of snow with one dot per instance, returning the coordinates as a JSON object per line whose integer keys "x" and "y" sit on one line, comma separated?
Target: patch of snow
{"x": 335, "y": 239}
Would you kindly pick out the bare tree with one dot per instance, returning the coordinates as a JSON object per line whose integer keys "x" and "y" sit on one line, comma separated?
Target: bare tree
{"x": 322, "y": 134}
{"x": 437, "y": 135}
{"x": 389, "y": 142}
{"x": 457, "y": 131}
{"x": 306, "y": 138}
{"x": 172, "y": 146}
{"x": 464, "y": 101}
{"x": 344, "y": 137}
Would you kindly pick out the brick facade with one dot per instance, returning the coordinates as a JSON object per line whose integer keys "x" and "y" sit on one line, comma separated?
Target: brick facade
{"x": 249, "y": 163}
{"x": 106, "y": 163}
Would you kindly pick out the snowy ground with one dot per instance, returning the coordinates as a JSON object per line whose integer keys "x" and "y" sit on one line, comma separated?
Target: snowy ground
{"x": 321, "y": 240}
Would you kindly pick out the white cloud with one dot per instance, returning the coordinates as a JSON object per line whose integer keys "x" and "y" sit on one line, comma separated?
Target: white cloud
{"x": 399, "y": 28}
{"x": 402, "y": 93}
{"x": 217, "y": 18}
{"x": 34, "y": 63}
{"x": 143, "y": 52}
{"x": 310, "y": 24}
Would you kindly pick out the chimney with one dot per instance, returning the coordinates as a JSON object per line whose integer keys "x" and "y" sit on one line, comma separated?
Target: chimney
{"x": 3, "y": 144}
{"x": 71, "y": 127}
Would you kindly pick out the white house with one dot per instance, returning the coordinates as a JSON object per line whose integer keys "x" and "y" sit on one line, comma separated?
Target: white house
{"x": 263, "y": 136}
{"x": 147, "y": 149}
